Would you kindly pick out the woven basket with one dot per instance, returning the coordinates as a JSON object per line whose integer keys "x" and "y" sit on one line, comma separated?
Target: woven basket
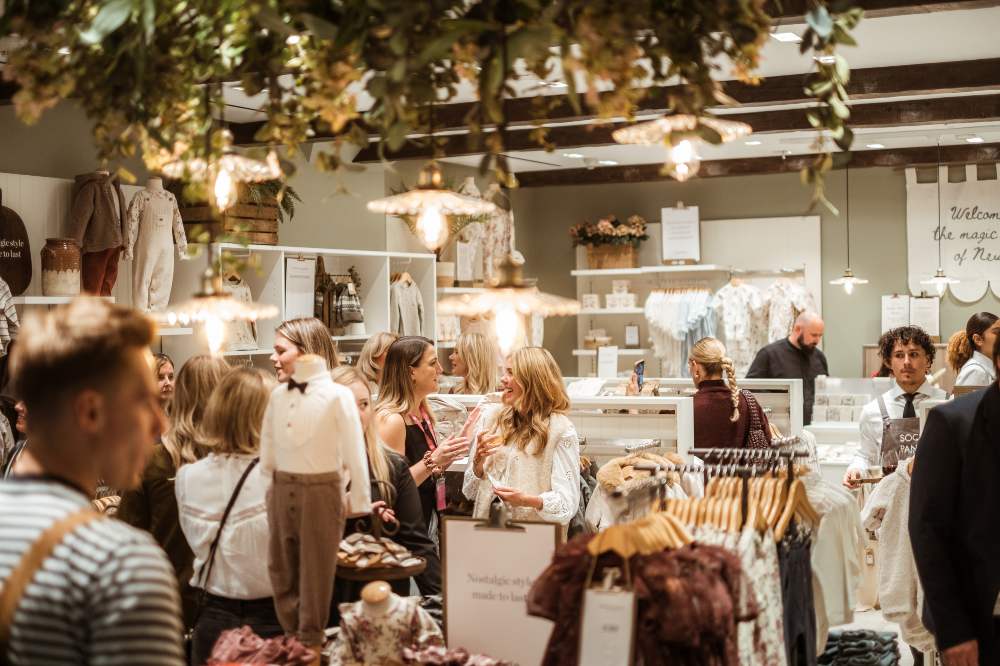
{"x": 612, "y": 256}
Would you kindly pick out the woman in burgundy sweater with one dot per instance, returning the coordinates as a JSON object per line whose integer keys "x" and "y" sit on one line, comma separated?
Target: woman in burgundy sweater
{"x": 725, "y": 416}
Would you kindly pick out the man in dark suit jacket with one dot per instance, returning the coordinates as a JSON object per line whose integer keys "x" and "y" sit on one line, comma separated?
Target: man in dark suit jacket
{"x": 955, "y": 526}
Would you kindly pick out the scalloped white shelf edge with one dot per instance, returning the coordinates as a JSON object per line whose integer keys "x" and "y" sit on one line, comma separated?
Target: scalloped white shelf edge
{"x": 52, "y": 300}
{"x": 645, "y": 270}
{"x": 621, "y": 352}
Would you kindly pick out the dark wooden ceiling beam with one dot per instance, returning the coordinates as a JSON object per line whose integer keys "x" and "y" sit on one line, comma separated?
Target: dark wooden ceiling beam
{"x": 867, "y": 83}
{"x": 887, "y": 114}
{"x": 644, "y": 173}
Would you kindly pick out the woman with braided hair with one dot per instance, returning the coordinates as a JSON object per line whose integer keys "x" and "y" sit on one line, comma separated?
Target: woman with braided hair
{"x": 725, "y": 416}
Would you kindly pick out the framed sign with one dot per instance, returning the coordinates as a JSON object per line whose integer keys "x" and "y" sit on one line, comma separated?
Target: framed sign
{"x": 681, "y": 239}
{"x": 487, "y": 574}
{"x": 300, "y": 287}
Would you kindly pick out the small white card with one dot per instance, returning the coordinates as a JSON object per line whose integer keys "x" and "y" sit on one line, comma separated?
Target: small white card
{"x": 620, "y": 286}
{"x": 607, "y": 631}
{"x": 590, "y": 302}
{"x": 632, "y": 336}
{"x": 926, "y": 313}
{"x": 607, "y": 362}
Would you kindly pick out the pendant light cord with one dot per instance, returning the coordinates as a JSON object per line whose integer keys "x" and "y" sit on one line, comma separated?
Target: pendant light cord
{"x": 847, "y": 179}
{"x": 939, "y": 176}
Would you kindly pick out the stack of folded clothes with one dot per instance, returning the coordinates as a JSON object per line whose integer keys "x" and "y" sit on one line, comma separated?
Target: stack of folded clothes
{"x": 860, "y": 648}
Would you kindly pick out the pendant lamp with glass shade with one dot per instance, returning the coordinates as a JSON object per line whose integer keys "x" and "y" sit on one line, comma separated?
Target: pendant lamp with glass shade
{"x": 848, "y": 280}
{"x": 940, "y": 282}
{"x": 683, "y": 160}
{"x": 510, "y": 299}
{"x": 430, "y": 202}
{"x": 212, "y": 307}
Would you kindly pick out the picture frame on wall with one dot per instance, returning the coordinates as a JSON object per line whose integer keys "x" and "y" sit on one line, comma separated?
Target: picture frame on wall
{"x": 681, "y": 235}
{"x": 631, "y": 336}
{"x": 590, "y": 302}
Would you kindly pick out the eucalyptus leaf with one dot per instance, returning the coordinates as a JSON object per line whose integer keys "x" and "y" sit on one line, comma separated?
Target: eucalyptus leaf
{"x": 843, "y": 69}
{"x": 839, "y": 108}
{"x": 110, "y": 17}
{"x": 820, "y": 21}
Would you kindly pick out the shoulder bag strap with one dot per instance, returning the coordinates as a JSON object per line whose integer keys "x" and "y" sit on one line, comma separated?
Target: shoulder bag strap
{"x": 22, "y": 575}
{"x": 207, "y": 567}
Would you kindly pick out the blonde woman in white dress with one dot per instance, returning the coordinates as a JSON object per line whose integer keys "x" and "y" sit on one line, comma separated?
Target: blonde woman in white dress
{"x": 527, "y": 453}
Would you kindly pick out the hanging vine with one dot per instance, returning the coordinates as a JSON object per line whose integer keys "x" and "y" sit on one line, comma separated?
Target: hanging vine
{"x": 351, "y": 68}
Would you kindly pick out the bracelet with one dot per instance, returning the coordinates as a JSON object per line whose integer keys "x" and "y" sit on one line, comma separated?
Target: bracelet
{"x": 431, "y": 466}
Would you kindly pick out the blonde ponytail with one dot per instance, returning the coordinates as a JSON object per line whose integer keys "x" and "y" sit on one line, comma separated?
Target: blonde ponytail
{"x": 959, "y": 350}
{"x": 730, "y": 370}
{"x": 711, "y": 355}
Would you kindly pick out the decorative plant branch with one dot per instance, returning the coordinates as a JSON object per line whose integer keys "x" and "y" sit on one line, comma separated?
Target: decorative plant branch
{"x": 286, "y": 196}
{"x": 138, "y": 67}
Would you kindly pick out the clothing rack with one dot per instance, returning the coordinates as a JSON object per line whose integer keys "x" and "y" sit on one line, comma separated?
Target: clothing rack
{"x": 635, "y": 447}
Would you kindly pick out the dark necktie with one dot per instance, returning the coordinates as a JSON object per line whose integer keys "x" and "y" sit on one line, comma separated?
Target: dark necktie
{"x": 908, "y": 411}
{"x": 292, "y": 385}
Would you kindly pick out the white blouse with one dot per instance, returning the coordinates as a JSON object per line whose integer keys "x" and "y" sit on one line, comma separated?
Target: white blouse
{"x": 977, "y": 371}
{"x": 203, "y": 490}
{"x": 561, "y": 502}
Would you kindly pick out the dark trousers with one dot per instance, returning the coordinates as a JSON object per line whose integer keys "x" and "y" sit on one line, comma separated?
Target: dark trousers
{"x": 99, "y": 271}
{"x": 220, "y": 614}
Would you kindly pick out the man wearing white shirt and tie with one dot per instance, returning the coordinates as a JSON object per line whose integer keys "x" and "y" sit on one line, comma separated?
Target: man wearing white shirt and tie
{"x": 889, "y": 426}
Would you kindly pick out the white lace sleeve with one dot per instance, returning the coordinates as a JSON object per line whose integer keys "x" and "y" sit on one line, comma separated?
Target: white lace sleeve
{"x": 470, "y": 482}
{"x": 560, "y": 504}
{"x": 180, "y": 237}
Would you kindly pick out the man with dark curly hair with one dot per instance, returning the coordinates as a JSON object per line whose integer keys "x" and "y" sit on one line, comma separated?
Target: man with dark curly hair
{"x": 889, "y": 426}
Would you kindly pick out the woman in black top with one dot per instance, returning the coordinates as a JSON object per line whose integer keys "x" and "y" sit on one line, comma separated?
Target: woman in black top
{"x": 405, "y": 423}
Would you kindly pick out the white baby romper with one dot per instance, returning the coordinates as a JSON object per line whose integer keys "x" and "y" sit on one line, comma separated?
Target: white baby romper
{"x": 154, "y": 226}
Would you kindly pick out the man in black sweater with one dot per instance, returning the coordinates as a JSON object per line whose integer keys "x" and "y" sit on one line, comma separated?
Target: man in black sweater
{"x": 795, "y": 357}
{"x": 954, "y": 529}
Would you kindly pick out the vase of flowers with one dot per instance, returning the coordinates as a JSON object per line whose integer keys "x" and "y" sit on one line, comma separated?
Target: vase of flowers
{"x": 610, "y": 242}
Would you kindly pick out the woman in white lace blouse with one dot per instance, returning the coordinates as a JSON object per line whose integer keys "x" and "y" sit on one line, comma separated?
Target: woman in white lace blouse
{"x": 527, "y": 453}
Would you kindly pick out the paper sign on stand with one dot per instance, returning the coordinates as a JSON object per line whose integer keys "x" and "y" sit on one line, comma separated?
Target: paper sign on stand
{"x": 300, "y": 287}
{"x": 925, "y": 312}
{"x": 608, "y": 628}
{"x": 681, "y": 234}
{"x": 895, "y": 311}
{"x": 487, "y": 574}
{"x": 607, "y": 362}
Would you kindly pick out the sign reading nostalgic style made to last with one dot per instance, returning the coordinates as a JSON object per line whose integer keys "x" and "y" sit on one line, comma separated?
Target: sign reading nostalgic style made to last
{"x": 969, "y": 232}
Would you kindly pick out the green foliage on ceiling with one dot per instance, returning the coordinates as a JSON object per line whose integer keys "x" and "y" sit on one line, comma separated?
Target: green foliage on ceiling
{"x": 140, "y": 67}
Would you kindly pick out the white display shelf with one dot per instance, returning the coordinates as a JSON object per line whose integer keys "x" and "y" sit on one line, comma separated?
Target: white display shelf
{"x": 461, "y": 290}
{"x": 52, "y": 300}
{"x": 350, "y": 338}
{"x": 613, "y": 311}
{"x": 621, "y": 352}
{"x": 174, "y": 330}
{"x": 647, "y": 270}
{"x": 248, "y": 352}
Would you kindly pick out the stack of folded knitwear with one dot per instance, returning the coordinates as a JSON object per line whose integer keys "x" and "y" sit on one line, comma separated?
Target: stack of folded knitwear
{"x": 860, "y": 648}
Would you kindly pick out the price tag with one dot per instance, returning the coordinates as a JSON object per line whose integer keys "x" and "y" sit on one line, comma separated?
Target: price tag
{"x": 607, "y": 632}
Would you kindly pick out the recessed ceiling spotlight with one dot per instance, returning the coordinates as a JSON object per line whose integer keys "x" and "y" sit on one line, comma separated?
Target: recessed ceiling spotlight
{"x": 752, "y": 142}
{"x": 826, "y": 59}
{"x": 974, "y": 139}
{"x": 788, "y": 37}
{"x": 573, "y": 156}
{"x": 607, "y": 162}
{"x": 874, "y": 145}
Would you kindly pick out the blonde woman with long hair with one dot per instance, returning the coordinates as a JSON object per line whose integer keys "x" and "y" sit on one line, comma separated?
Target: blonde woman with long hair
{"x": 392, "y": 488}
{"x": 528, "y": 453}
{"x": 153, "y": 505}
{"x": 296, "y": 337}
{"x": 725, "y": 416}
{"x": 372, "y": 356}
{"x": 475, "y": 360}
{"x": 404, "y": 421}
{"x": 236, "y": 583}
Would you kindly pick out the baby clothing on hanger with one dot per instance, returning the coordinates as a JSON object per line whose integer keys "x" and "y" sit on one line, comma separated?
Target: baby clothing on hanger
{"x": 380, "y": 639}
{"x": 786, "y": 300}
{"x": 677, "y": 320}
{"x": 241, "y": 335}
{"x": 740, "y": 312}
{"x": 8, "y": 317}
{"x": 406, "y": 308}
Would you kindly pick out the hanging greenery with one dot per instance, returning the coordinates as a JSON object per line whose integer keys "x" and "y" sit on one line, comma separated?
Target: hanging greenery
{"x": 139, "y": 67}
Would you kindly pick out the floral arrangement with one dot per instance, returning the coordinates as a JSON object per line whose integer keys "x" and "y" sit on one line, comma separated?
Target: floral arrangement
{"x": 610, "y": 231}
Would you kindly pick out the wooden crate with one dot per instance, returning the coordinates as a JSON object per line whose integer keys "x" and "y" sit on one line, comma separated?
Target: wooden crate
{"x": 258, "y": 223}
